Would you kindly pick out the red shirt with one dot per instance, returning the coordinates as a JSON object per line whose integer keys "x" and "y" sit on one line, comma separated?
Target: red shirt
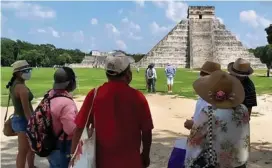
{"x": 120, "y": 114}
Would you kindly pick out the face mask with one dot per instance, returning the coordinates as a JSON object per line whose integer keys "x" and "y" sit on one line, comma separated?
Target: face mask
{"x": 26, "y": 75}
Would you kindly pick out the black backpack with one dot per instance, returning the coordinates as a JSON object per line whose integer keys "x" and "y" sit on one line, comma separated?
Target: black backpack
{"x": 40, "y": 133}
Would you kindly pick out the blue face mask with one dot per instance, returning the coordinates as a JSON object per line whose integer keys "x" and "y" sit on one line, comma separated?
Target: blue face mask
{"x": 26, "y": 75}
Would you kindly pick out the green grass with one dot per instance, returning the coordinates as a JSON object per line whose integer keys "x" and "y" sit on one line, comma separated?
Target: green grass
{"x": 42, "y": 80}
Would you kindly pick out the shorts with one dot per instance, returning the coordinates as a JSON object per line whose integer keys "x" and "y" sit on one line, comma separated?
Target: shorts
{"x": 170, "y": 80}
{"x": 60, "y": 158}
{"x": 18, "y": 123}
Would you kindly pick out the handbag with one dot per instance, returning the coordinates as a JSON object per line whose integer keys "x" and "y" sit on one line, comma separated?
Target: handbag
{"x": 207, "y": 158}
{"x": 7, "y": 130}
{"x": 88, "y": 157}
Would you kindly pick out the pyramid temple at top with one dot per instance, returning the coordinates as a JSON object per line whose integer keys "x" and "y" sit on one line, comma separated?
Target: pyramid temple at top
{"x": 199, "y": 38}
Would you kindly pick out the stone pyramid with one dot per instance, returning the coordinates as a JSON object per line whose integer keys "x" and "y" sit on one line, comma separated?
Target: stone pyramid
{"x": 199, "y": 38}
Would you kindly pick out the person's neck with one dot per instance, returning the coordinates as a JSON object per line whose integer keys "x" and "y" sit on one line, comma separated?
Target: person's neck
{"x": 117, "y": 80}
{"x": 20, "y": 80}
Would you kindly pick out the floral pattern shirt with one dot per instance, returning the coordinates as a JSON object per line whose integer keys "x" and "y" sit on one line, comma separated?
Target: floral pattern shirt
{"x": 230, "y": 136}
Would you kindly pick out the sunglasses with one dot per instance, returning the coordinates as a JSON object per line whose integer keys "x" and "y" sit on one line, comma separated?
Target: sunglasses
{"x": 26, "y": 71}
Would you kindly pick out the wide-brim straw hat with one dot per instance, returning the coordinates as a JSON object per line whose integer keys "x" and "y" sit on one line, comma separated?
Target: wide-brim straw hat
{"x": 209, "y": 67}
{"x": 220, "y": 89}
{"x": 240, "y": 67}
{"x": 20, "y": 65}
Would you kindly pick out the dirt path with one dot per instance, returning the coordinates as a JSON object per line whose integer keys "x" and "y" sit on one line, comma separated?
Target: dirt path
{"x": 169, "y": 114}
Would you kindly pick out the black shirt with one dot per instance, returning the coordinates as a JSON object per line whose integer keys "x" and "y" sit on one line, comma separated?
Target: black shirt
{"x": 250, "y": 93}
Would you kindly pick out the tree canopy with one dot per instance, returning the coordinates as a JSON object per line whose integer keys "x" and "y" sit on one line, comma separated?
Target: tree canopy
{"x": 269, "y": 34}
{"x": 45, "y": 55}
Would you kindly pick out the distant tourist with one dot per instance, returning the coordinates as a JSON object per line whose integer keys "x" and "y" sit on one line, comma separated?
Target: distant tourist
{"x": 21, "y": 97}
{"x": 151, "y": 78}
{"x": 138, "y": 70}
{"x": 146, "y": 80}
{"x": 170, "y": 72}
{"x": 63, "y": 112}
{"x": 207, "y": 68}
{"x": 121, "y": 118}
{"x": 241, "y": 69}
{"x": 220, "y": 134}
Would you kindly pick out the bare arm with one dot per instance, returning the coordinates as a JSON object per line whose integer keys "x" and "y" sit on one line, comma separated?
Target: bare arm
{"x": 23, "y": 94}
{"x": 147, "y": 140}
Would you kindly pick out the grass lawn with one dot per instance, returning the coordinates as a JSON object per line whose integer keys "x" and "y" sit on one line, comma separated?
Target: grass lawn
{"x": 42, "y": 80}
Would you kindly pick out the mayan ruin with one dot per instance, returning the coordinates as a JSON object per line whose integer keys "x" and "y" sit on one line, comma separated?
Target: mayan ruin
{"x": 199, "y": 38}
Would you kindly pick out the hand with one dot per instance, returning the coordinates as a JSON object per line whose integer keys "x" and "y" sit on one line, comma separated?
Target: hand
{"x": 188, "y": 124}
{"x": 145, "y": 160}
{"x": 71, "y": 163}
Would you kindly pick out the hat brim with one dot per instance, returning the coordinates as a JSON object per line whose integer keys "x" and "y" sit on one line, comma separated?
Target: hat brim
{"x": 61, "y": 85}
{"x": 230, "y": 69}
{"x": 203, "y": 86}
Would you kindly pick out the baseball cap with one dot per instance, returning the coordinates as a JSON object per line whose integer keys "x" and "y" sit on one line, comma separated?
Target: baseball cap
{"x": 61, "y": 79}
{"x": 117, "y": 64}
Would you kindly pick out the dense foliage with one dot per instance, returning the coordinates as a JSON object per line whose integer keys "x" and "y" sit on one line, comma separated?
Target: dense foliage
{"x": 45, "y": 55}
{"x": 269, "y": 34}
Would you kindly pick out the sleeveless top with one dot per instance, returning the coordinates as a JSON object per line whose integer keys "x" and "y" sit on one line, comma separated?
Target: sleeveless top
{"x": 16, "y": 101}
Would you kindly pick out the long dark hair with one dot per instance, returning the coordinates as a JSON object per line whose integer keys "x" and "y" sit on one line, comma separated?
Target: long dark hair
{"x": 12, "y": 79}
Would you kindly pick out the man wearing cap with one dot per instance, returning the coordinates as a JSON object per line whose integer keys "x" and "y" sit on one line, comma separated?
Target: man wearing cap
{"x": 151, "y": 76}
{"x": 63, "y": 112}
{"x": 121, "y": 118}
{"x": 241, "y": 69}
{"x": 207, "y": 68}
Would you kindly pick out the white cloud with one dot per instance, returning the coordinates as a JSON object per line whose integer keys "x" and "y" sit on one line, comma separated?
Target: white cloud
{"x": 41, "y": 31}
{"x": 112, "y": 29}
{"x": 131, "y": 24}
{"x": 220, "y": 20}
{"x": 141, "y": 3}
{"x": 160, "y": 4}
{"x": 78, "y": 36}
{"x": 121, "y": 44}
{"x": 134, "y": 37}
{"x": 176, "y": 11}
{"x": 253, "y": 19}
{"x": 94, "y": 21}
{"x": 28, "y": 10}
{"x": 54, "y": 32}
{"x": 120, "y": 11}
{"x": 48, "y": 30}
{"x": 157, "y": 29}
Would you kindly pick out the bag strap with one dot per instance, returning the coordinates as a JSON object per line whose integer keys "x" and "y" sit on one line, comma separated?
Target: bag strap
{"x": 6, "y": 115}
{"x": 210, "y": 134}
{"x": 89, "y": 114}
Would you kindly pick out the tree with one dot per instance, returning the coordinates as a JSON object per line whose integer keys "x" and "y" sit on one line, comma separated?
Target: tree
{"x": 265, "y": 55}
{"x": 269, "y": 34}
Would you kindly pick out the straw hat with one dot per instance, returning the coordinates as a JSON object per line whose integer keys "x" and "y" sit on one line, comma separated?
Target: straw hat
{"x": 220, "y": 89}
{"x": 20, "y": 65}
{"x": 209, "y": 67}
{"x": 240, "y": 67}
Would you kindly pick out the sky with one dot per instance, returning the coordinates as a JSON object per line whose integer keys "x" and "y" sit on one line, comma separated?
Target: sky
{"x": 132, "y": 26}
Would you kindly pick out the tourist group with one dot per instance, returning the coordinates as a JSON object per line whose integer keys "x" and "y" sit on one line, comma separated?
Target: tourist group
{"x": 120, "y": 118}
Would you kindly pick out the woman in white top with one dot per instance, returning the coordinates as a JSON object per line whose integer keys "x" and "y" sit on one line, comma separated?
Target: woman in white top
{"x": 230, "y": 122}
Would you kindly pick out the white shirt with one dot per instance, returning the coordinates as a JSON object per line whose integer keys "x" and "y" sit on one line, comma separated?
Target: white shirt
{"x": 200, "y": 104}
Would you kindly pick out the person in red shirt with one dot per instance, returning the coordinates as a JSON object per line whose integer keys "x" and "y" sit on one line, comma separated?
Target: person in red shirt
{"x": 121, "y": 117}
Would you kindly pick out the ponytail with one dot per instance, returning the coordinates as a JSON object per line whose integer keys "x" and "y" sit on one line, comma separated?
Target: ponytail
{"x": 11, "y": 81}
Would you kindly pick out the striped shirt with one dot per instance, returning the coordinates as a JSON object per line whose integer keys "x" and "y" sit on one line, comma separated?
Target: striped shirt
{"x": 250, "y": 93}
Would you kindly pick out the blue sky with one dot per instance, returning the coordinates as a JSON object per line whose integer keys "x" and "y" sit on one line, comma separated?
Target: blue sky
{"x": 133, "y": 26}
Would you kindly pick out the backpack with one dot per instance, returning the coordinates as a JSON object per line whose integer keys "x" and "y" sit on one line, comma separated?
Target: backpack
{"x": 40, "y": 133}
{"x": 149, "y": 73}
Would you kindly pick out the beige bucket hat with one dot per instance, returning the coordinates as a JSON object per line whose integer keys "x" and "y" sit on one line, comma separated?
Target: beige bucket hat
{"x": 20, "y": 65}
{"x": 240, "y": 67}
{"x": 220, "y": 89}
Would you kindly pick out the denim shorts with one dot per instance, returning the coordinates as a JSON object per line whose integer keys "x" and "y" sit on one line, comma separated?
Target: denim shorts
{"x": 59, "y": 158}
{"x": 18, "y": 123}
